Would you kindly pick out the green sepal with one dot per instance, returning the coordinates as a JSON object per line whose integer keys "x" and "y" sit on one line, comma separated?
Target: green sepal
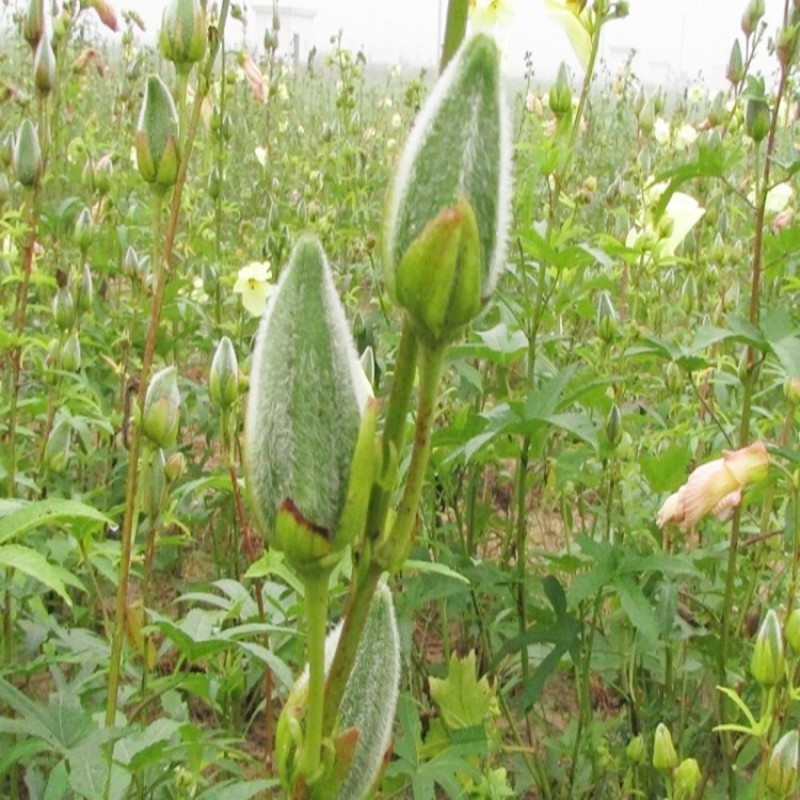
{"x": 156, "y": 136}
{"x": 307, "y": 546}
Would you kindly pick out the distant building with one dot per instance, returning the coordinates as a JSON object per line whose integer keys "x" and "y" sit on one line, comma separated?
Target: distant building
{"x": 296, "y": 35}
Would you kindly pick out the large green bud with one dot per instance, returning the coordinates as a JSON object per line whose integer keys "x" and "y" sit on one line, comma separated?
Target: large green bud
{"x": 28, "y": 155}
{"x": 44, "y": 66}
{"x": 162, "y": 407}
{"x": 156, "y": 137}
{"x": 366, "y": 713}
{"x": 33, "y": 23}
{"x": 303, "y": 426}
{"x": 184, "y": 35}
{"x": 452, "y": 185}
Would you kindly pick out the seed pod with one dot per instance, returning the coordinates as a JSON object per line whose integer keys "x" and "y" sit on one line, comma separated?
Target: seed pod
{"x": 44, "y": 67}
{"x": 665, "y": 759}
{"x": 457, "y": 160}
{"x": 64, "y": 308}
{"x": 303, "y": 425}
{"x": 156, "y": 138}
{"x": 757, "y": 118}
{"x": 767, "y": 663}
{"x": 56, "y": 451}
{"x": 161, "y": 411}
{"x": 223, "y": 384}
{"x": 70, "y": 360}
{"x": 83, "y": 233}
{"x": 28, "y": 155}
{"x": 184, "y": 34}
{"x": 33, "y": 23}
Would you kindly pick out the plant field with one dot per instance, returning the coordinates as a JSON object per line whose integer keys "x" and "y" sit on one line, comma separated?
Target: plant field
{"x": 564, "y": 537}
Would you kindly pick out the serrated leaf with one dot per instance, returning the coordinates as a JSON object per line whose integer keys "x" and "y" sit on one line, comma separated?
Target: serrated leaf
{"x": 31, "y": 563}
{"x": 30, "y": 516}
{"x": 462, "y": 699}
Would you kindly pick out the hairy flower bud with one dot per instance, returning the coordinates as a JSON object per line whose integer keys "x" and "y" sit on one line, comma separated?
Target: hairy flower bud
{"x": 84, "y": 229}
{"x": 84, "y": 290}
{"x": 33, "y": 23}
{"x": 757, "y": 118}
{"x": 635, "y": 751}
{"x": 560, "y": 95}
{"x": 453, "y": 182}
{"x": 184, "y": 35}
{"x": 64, "y": 308}
{"x": 156, "y": 138}
{"x": 686, "y": 779}
{"x": 28, "y": 155}
{"x": 767, "y": 663}
{"x": 56, "y": 451}
{"x": 751, "y": 17}
{"x": 161, "y": 411}
{"x": 153, "y": 488}
{"x": 303, "y": 426}
{"x": 606, "y": 319}
{"x": 223, "y": 383}
{"x": 70, "y": 356}
{"x": 735, "y": 71}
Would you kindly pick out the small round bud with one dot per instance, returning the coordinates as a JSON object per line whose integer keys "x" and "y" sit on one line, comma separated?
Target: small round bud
{"x": 635, "y": 751}
{"x": 757, "y": 118}
{"x": 184, "y": 35}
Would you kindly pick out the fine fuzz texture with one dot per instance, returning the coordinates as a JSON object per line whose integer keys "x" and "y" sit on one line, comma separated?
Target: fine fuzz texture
{"x": 307, "y": 394}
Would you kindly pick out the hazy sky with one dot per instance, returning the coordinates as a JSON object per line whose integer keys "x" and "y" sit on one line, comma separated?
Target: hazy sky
{"x": 675, "y": 40}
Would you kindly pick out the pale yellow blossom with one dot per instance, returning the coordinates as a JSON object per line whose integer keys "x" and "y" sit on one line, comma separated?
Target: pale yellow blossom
{"x": 253, "y": 283}
{"x": 575, "y": 25}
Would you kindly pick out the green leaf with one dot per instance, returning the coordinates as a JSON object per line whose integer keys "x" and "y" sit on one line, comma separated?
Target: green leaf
{"x": 45, "y": 513}
{"x": 463, "y": 700}
{"x": 666, "y": 471}
{"x": 434, "y": 568}
{"x": 637, "y": 607}
{"x": 238, "y": 790}
{"x": 31, "y": 563}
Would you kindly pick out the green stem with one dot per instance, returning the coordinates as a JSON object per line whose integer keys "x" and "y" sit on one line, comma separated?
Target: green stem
{"x": 316, "y": 597}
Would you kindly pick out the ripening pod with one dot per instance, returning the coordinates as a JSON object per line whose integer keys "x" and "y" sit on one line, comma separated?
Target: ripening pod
{"x": 161, "y": 410}
{"x": 153, "y": 487}
{"x": 33, "y": 23}
{"x": 156, "y": 138}
{"x": 44, "y": 66}
{"x": 56, "y": 451}
{"x": 85, "y": 290}
{"x": 665, "y": 759}
{"x": 606, "y": 317}
{"x": 452, "y": 184}
{"x": 767, "y": 663}
{"x": 735, "y": 71}
{"x": 366, "y": 713}
{"x": 28, "y": 155}
{"x": 64, "y": 308}
{"x": 70, "y": 357}
{"x": 184, "y": 35}
{"x": 756, "y": 118}
{"x": 223, "y": 383}
{"x": 308, "y": 457}
{"x": 783, "y": 765}
{"x": 83, "y": 233}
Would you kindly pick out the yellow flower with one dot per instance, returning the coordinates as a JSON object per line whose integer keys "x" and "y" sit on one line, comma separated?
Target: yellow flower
{"x": 486, "y": 14}
{"x": 715, "y": 487}
{"x": 575, "y": 23}
{"x": 253, "y": 284}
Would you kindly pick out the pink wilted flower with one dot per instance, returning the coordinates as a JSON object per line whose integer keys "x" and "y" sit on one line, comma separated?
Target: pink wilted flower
{"x": 715, "y": 487}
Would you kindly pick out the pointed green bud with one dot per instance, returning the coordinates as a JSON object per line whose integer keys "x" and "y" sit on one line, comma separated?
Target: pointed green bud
{"x": 223, "y": 382}
{"x": 28, "y": 155}
{"x": 175, "y": 468}
{"x": 438, "y": 280}
{"x": 156, "y": 137}
{"x": 304, "y": 411}
{"x": 786, "y": 45}
{"x": 161, "y": 411}
{"x": 767, "y": 663}
{"x": 783, "y": 766}
{"x": 635, "y": 751}
{"x": 793, "y": 630}
{"x": 647, "y": 117}
{"x": 33, "y": 23}
{"x": 716, "y": 112}
{"x": 665, "y": 759}
{"x": 64, "y": 308}
{"x": 368, "y": 364}
{"x": 83, "y": 233}
{"x": 85, "y": 290}
{"x": 560, "y": 96}
{"x": 606, "y": 317}
{"x": 7, "y": 151}
{"x": 457, "y": 156}
{"x": 184, "y": 34}
{"x": 757, "y": 118}
{"x": 130, "y": 262}
{"x": 44, "y": 66}
{"x": 614, "y": 426}
{"x": 56, "y": 451}
{"x": 103, "y": 173}
{"x": 214, "y": 182}
{"x": 689, "y": 293}
{"x": 153, "y": 485}
{"x": 735, "y": 71}
{"x": 686, "y": 779}
{"x": 70, "y": 358}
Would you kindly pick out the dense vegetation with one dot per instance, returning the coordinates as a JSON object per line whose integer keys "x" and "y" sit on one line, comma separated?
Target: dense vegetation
{"x": 560, "y": 630}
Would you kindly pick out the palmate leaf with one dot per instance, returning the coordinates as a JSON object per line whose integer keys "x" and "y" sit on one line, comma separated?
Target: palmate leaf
{"x": 463, "y": 700}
